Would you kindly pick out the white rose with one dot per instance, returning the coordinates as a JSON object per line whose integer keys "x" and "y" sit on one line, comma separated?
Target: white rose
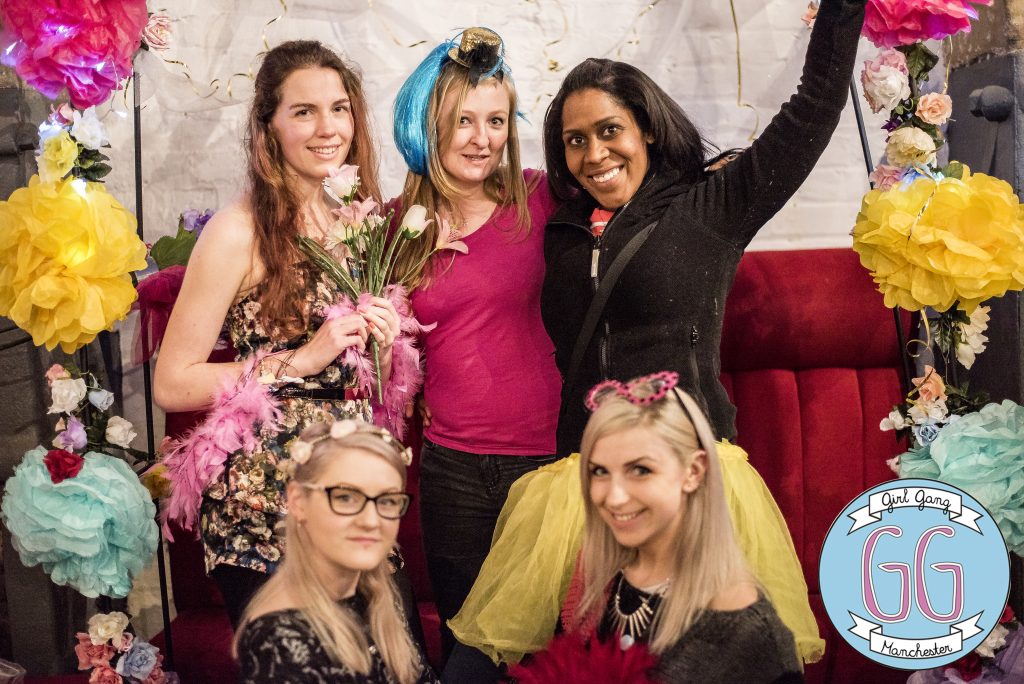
{"x": 884, "y": 86}
{"x": 101, "y": 399}
{"x": 88, "y": 130}
{"x": 343, "y": 428}
{"x": 894, "y": 421}
{"x": 300, "y": 451}
{"x": 104, "y": 627}
{"x": 910, "y": 145}
{"x": 120, "y": 432}
{"x": 415, "y": 221}
{"x": 66, "y": 394}
{"x": 993, "y": 642}
{"x": 973, "y": 340}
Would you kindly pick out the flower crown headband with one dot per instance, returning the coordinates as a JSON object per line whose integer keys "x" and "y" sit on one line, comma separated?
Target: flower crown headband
{"x": 646, "y": 390}
{"x": 300, "y": 450}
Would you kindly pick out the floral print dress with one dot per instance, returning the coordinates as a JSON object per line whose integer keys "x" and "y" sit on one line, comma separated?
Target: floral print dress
{"x": 240, "y": 514}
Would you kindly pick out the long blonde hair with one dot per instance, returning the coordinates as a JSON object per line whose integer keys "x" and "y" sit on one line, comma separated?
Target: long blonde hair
{"x": 707, "y": 558}
{"x": 338, "y": 630}
{"x": 437, "y": 192}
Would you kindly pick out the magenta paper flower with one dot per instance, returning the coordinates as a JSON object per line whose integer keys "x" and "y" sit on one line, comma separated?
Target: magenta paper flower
{"x": 889, "y": 23}
{"x": 85, "y": 46}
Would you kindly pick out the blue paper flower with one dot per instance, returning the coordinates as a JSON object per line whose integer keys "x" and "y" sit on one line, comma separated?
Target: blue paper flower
{"x": 93, "y": 532}
{"x": 139, "y": 661}
{"x": 982, "y": 453}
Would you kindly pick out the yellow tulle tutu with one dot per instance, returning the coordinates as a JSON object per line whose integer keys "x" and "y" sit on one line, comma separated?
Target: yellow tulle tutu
{"x": 514, "y": 604}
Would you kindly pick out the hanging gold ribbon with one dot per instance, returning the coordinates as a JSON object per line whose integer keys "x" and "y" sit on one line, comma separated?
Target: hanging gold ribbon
{"x": 739, "y": 74}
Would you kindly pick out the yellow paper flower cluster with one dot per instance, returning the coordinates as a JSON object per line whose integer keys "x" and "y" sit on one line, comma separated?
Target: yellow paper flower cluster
{"x": 936, "y": 242}
{"x": 66, "y": 251}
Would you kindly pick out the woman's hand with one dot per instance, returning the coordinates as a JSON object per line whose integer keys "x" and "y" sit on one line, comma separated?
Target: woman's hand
{"x": 332, "y": 338}
{"x": 382, "y": 322}
{"x": 420, "y": 404}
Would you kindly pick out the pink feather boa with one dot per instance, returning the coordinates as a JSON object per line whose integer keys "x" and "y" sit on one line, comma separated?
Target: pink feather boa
{"x": 406, "y": 371}
{"x": 241, "y": 408}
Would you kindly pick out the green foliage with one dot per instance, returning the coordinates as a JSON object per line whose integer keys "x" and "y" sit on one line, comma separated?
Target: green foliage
{"x": 174, "y": 251}
{"x": 920, "y": 60}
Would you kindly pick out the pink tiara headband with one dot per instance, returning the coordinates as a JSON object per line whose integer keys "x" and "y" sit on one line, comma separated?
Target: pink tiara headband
{"x": 639, "y": 392}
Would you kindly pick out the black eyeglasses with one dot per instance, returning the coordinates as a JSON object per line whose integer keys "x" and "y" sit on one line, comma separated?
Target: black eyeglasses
{"x": 345, "y": 500}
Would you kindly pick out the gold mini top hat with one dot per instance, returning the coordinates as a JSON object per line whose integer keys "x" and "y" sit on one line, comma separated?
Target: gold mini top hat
{"x": 481, "y": 51}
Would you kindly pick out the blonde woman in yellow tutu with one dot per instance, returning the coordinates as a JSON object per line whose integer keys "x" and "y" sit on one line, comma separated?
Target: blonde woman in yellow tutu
{"x": 514, "y": 605}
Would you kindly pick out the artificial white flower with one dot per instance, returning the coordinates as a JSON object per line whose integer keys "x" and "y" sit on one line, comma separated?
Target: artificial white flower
{"x": 66, "y": 394}
{"x": 342, "y": 183}
{"x": 993, "y": 642}
{"x": 88, "y": 130}
{"x": 104, "y": 627}
{"x": 101, "y": 399}
{"x": 973, "y": 340}
{"x": 921, "y": 413}
{"x": 893, "y": 421}
{"x": 884, "y": 87}
{"x": 300, "y": 451}
{"x": 415, "y": 221}
{"x": 120, "y": 432}
{"x": 343, "y": 428}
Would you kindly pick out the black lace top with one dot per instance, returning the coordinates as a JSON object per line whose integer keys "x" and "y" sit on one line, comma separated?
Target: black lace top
{"x": 281, "y": 647}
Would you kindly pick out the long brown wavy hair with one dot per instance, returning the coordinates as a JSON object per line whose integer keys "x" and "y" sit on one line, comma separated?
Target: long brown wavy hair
{"x": 275, "y": 207}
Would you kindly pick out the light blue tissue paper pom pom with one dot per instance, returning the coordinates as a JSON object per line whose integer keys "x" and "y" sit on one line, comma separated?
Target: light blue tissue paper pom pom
{"x": 93, "y": 532}
{"x": 982, "y": 453}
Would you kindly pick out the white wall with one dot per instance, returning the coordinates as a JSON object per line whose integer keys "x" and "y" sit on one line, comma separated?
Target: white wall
{"x": 191, "y": 152}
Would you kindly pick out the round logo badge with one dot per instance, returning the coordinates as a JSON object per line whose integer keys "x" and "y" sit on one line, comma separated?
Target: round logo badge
{"x": 914, "y": 574}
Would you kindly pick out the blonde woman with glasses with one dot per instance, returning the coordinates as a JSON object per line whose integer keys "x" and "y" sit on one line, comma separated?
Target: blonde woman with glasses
{"x": 331, "y": 611}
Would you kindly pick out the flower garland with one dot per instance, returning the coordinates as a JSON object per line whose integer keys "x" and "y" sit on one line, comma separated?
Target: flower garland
{"x": 75, "y": 509}
{"x": 115, "y": 656}
{"x": 69, "y": 145}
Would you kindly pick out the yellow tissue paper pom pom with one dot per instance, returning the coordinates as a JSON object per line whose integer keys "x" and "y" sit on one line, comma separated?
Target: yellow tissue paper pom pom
{"x": 66, "y": 252}
{"x": 936, "y": 242}
{"x": 57, "y": 158}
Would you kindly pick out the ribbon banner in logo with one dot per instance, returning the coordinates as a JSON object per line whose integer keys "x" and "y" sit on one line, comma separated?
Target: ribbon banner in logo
{"x": 920, "y": 498}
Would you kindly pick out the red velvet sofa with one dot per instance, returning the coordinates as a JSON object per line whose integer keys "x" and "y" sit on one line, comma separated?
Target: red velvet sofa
{"x": 809, "y": 356}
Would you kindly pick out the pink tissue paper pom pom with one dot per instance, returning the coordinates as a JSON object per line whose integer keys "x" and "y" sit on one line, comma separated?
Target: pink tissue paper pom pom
{"x": 889, "y": 23}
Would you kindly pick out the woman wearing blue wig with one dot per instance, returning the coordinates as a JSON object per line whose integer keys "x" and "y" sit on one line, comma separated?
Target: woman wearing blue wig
{"x": 491, "y": 392}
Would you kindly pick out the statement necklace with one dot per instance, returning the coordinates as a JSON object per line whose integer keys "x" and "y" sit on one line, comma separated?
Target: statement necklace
{"x": 634, "y": 625}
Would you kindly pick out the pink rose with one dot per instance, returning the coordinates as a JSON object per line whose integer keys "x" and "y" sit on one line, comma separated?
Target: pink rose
{"x": 930, "y": 386}
{"x": 56, "y": 372}
{"x": 885, "y": 176}
{"x": 90, "y": 655}
{"x": 934, "y": 108}
{"x": 84, "y": 46}
{"x": 888, "y": 23}
{"x": 157, "y": 34}
{"x": 885, "y": 80}
{"x": 157, "y": 676}
{"x": 104, "y": 675}
{"x": 127, "y": 639}
{"x": 62, "y": 115}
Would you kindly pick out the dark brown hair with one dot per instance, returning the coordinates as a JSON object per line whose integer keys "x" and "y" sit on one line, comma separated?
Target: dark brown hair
{"x": 274, "y": 205}
{"x": 677, "y": 142}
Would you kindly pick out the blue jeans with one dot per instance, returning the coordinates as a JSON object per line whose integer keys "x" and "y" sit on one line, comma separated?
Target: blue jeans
{"x": 461, "y": 495}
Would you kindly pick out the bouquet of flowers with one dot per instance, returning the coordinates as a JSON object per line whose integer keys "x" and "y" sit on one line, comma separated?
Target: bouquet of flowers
{"x": 115, "y": 656}
{"x": 367, "y": 251}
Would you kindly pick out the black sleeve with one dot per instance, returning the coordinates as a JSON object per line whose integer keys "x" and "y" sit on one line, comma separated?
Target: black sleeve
{"x": 740, "y": 198}
{"x": 282, "y": 648}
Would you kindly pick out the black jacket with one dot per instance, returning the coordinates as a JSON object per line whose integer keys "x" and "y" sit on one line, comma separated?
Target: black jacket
{"x": 666, "y": 310}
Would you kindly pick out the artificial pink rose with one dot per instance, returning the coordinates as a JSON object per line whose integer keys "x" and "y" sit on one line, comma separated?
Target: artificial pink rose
{"x": 104, "y": 675}
{"x": 888, "y": 23}
{"x": 91, "y": 655}
{"x": 85, "y": 46}
{"x": 935, "y": 108}
{"x": 885, "y": 176}
{"x": 62, "y": 115}
{"x": 343, "y": 181}
{"x": 157, "y": 34}
{"x": 127, "y": 639}
{"x": 56, "y": 372}
{"x": 810, "y": 15}
{"x": 885, "y": 80}
{"x": 930, "y": 386}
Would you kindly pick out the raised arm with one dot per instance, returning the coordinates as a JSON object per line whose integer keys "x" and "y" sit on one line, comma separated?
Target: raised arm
{"x": 741, "y": 197}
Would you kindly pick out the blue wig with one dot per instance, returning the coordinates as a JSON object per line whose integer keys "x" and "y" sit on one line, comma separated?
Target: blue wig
{"x": 413, "y": 100}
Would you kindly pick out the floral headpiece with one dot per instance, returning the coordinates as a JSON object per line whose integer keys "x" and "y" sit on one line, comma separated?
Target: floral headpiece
{"x": 300, "y": 449}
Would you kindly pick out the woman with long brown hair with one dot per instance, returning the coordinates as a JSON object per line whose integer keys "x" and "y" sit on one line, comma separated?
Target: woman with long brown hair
{"x": 308, "y": 117}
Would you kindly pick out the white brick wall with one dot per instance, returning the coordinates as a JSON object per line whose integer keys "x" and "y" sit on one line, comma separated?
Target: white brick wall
{"x": 192, "y": 158}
